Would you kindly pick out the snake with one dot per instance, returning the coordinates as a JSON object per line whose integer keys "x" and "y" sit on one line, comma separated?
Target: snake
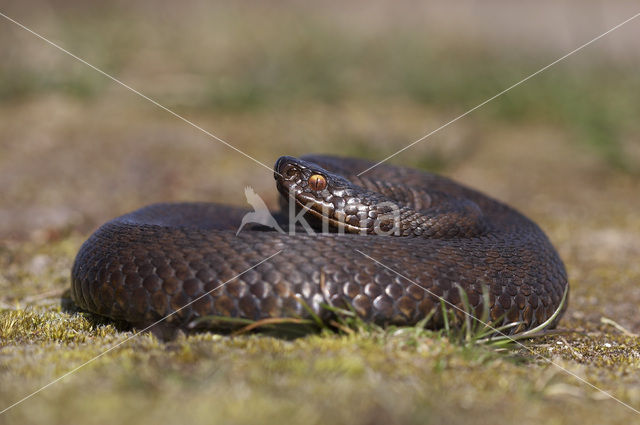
{"x": 392, "y": 246}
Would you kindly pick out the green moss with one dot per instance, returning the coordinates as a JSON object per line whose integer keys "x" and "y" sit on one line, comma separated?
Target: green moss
{"x": 406, "y": 375}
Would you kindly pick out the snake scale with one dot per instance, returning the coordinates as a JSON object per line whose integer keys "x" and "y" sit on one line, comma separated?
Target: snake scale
{"x": 433, "y": 236}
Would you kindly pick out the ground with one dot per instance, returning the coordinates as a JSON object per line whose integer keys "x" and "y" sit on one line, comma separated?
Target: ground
{"x": 273, "y": 78}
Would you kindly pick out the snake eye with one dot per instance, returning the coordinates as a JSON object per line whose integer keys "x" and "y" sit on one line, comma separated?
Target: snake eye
{"x": 317, "y": 182}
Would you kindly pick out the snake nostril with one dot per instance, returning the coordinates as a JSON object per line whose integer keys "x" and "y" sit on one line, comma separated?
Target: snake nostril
{"x": 286, "y": 168}
{"x": 277, "y": 167}
{"x": 290, "y": 172}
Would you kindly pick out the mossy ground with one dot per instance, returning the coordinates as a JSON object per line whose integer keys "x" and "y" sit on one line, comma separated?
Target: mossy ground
{"x": 76, "y": 150}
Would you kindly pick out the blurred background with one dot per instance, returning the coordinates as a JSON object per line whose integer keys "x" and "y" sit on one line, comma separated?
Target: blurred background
{"x": 287, "y": 78}
{"x": 274, "y": 78}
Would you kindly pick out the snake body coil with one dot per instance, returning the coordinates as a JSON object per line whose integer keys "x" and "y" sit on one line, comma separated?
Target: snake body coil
{"x": 185, "y": 258}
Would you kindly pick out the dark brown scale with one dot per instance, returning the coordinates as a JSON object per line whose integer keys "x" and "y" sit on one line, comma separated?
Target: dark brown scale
{"x": 159, "y": 259}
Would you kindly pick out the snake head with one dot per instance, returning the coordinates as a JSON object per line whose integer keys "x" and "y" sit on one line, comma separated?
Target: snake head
{"x": 326, "y": 196}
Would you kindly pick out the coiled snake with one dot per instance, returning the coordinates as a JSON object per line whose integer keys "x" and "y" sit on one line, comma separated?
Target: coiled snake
{"x": 434, "y": 235}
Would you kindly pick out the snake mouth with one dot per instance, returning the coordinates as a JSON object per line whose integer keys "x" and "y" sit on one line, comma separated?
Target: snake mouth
{"x": 328, "y": 218}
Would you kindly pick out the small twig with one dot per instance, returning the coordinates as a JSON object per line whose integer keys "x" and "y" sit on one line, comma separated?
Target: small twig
{"x": 54, "y": 293}
{"x": 610, "y": 322}
{"x": 573, "y": 351}
{"x": 271, "y": 321}
{"x": 342, "y": 327}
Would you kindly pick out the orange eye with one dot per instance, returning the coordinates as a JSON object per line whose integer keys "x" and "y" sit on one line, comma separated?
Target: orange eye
{"x": 317, "y": 182}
